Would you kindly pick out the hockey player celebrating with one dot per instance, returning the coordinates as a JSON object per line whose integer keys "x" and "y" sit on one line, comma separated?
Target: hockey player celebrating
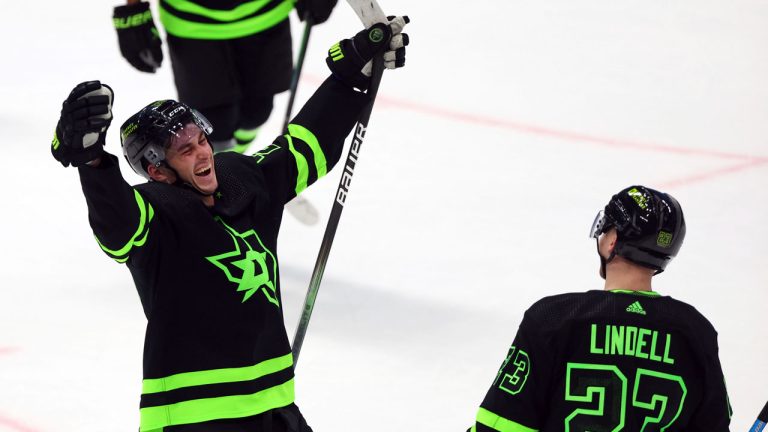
{"x": 246, "y": 47}
{"x": 246, "y": 51}
{"x": 200, "y": 237}
{"x": 622, "y": 359}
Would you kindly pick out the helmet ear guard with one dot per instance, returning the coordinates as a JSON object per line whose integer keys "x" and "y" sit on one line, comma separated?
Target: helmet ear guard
{"x": 154, "y": 155}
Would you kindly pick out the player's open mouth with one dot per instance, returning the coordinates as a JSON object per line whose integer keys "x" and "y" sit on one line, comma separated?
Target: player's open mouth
{"x": 202, "y": 172}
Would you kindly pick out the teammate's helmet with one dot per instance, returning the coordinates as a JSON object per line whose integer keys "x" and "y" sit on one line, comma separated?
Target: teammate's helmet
{"x": 649, "y": 224}
{"x": 145, "y": 135}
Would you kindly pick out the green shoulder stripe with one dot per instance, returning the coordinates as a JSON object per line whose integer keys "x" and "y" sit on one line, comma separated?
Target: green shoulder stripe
{"x": 301, "y": 166}
{"x": 139, "y": 238}
{"x": 304, "y": 134}
{"x": 496, "y": 422}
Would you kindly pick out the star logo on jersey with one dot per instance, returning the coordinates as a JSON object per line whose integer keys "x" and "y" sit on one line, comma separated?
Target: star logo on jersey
{"x": 250, "y": 265}
{"x": 261, "y": 154}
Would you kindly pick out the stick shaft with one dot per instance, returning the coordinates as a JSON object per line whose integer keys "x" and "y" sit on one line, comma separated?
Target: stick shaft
{"x": 338, "y": 206}
{"x": 761, "y": 421}
{"x": 297, "y": 70}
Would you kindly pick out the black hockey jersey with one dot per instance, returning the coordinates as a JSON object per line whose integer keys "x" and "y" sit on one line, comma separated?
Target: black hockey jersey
{"x": 608, "y": 362}
{"x": 208, "y": 278}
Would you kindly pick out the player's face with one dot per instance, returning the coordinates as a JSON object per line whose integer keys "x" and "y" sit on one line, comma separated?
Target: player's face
{"x": 192, "y": 157}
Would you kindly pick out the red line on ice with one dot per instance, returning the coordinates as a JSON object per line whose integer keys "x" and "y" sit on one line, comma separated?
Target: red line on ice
{"x": 747, "y": 161}
{"x": 561, "y": 134}
{"x": 16, "y": 426}
{"x": 712, "y": 174}
{"x": 8, "y": 350}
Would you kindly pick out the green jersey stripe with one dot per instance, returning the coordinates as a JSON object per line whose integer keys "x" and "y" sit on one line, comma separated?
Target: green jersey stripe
{"x": 235, "y": 14}
{"x": 496, "y": 422}
{"x": 200, "y": 410}
{"x": 146, "y": 213}
{"x": 217, "y": 376}
{"x": 304, "y": 134}
{"x": 301, "y": 166}
{"x": 182, "y": 28}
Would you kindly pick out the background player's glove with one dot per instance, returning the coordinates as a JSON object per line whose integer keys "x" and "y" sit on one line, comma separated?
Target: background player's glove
{"x": 82, "y": 127}
{"x": 350, "y": 59}
{"x": 319, "y": 10}
{"x": 139, "y": 39}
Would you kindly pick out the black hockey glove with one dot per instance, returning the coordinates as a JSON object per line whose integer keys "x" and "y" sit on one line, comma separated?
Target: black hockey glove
{"x": 318, "y": 10}
{"x": 350, "y": 59}
{"x": 82, "y": 127}
{"x": 138, "y": 37}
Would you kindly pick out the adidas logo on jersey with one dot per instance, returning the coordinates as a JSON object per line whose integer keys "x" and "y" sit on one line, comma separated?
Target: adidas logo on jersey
{"x": 636, "y": 308}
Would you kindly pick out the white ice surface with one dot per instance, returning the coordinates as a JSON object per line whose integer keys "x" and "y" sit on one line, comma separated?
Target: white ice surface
{"x": 486, "y": 160}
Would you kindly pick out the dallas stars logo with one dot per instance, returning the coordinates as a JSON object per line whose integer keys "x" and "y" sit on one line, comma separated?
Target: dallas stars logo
{"x": 251, "y": 265}
{"x": 261, "y": 154}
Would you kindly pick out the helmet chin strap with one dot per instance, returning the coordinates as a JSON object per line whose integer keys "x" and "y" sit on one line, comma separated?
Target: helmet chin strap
{"x": 604, "y": 261}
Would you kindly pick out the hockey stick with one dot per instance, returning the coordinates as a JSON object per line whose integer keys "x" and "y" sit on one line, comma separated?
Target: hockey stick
{"x": 300, "y": 207}
{"x": 297, "y": 69}
{"x": 761, "y": 421}
{"x": 370, "y": 13}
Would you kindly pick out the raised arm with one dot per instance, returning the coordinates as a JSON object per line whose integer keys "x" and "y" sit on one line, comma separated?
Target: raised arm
{"x": 316, "y": 134}
{"x": 119, "y": 216}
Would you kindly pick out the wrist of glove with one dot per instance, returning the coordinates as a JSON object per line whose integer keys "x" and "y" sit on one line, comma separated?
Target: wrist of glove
{"x": 82, "y": 128}
{"x": 350, "y": 59}
{"x": 138, "y": 37}
{"x": 316, "y": 10}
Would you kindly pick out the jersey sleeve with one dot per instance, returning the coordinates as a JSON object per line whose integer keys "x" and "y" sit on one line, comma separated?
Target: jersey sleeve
{"x": 715, "y": 412}
{"x": 119, "y": 215}
{"x": 515, "y": 401}
{"x": 314, "y": 140}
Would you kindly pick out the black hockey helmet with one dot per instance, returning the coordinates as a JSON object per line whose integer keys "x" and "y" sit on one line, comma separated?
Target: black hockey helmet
{"x": 145, "y": 135}
{"x": 649, "y": 224}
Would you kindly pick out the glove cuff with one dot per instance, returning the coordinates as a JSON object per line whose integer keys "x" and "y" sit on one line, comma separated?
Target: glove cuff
{"x": 345, "y": 63}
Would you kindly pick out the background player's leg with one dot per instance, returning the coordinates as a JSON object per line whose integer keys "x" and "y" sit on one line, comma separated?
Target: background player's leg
{"x": 264, "y": 63}
{"x": 206, "y": 79}
{"x": 224, "y": 120}
{"x": 254, "y": 112}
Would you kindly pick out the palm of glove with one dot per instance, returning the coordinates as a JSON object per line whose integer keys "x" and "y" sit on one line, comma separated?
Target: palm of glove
{"x": 82, "y": 128}
{"x": 350, "y": 59}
